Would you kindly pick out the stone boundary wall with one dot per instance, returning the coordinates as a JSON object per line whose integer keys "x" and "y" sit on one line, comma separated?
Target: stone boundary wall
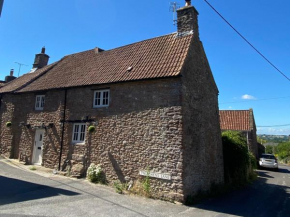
{"x": 140, "y": 130}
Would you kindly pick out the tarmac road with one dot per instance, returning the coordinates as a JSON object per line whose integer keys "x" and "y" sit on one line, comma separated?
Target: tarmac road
{"x": 34, "y": 193}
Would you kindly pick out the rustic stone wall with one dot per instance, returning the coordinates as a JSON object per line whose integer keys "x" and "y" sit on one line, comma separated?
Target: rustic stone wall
{"x": 6, "y": 115}
{"x": 253, "y": 135}
{"x": 19, "y": 139}
{"x": 52, "y": 113}
{"x": 142, "y": 128}
{"x": 203, "y": 158}
{"x": 252, "y": 142}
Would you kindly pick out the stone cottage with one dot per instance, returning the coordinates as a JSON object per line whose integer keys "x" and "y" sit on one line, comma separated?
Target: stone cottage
{"x": 153, "y": 105}
{"x": 243, "y": 121}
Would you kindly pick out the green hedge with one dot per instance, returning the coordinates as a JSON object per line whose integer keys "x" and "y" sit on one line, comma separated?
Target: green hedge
{"x": 238, "y": 161}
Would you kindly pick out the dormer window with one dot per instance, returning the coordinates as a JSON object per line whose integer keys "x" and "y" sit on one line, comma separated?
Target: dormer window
{"x": 39, "y": 102}
{"x": 101, "y": 98}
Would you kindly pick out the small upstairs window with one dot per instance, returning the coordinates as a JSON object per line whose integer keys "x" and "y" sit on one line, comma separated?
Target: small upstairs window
{"x": 79, "y": 133}
{"x": 101, "y": 98}
{"x": 39, "y": 102}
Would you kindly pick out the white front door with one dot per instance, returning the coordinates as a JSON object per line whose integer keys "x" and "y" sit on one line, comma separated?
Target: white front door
{"x": 38, "y": 145}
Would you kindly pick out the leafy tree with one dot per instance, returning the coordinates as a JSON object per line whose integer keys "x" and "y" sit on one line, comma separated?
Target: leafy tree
{"x": 269, "y": 149}
{"x": 260, "y": 140}
{"x": 283, "y": 151}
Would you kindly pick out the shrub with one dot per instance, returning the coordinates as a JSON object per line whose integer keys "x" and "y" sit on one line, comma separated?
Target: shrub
{"x": 141, "y": 187}
{"x": 95, "y": 174}
{"x": 253, "y": 161}
{"x": 237, "y": 160}
{"x": 8, "y": 124}
{"x": 269, "y": 149}
{"x": 91, "y": 129}
{"x": 283, "y": 151}
{"x": 32, "y": 168}
{"x": 119, "y": 187}
{"x": 146, "y": 184}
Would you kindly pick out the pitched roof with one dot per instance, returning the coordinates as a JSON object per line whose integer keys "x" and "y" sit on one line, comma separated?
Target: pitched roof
{"x": 24, "y": 80}
{"x": 236, "y": 120}
{"x": 153, "y": 58}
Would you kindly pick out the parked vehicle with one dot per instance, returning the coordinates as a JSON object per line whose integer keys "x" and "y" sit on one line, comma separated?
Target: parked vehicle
{"x": 268, "y": 161}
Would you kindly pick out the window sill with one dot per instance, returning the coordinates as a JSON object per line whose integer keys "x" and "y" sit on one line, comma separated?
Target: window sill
{"x": 78, "y": 143}
{"x": 101, "y": 106}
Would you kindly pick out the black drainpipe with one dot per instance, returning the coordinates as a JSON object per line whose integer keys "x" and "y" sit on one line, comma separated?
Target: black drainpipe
{"x": 62, "y": 133}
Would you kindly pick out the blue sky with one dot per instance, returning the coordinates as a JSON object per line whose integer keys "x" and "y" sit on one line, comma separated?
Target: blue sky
{"x": 243, "y": 77}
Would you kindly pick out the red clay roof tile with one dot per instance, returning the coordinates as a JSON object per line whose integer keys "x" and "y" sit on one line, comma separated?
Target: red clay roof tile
{"x": 235, "y": 120}
{"x": 24, "y": 79}
{"x": 153, "y": 58}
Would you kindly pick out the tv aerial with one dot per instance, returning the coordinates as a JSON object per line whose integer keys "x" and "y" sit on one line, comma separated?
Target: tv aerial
{"x": 20, "y": 65}
{"x": 173, "y": 8}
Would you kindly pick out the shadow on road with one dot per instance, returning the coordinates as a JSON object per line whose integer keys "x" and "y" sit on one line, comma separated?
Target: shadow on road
{"x": 281, "y": 170}
{"x": 264, "y": 198}
{"x": 265, "y": 174}
{"x": 14, "y": 191}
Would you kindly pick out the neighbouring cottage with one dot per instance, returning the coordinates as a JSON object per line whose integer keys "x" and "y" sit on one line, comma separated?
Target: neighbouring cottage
{"x": 243, "y": 121}
{"x": 154, "y": 105}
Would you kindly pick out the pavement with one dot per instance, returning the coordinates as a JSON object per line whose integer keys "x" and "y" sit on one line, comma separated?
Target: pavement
{"x": 24, "y": 192}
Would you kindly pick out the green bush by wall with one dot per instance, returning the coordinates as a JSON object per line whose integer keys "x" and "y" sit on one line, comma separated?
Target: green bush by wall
{"x": 238, "y": 161}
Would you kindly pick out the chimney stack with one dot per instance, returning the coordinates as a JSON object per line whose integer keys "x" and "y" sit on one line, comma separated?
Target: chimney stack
{"x": 10, "y": 77}
{"x": 11, "y": 72}
{"x": 98, "y": 50}
{"x": 41, "y": 59}
{"x": 187, "y": 20}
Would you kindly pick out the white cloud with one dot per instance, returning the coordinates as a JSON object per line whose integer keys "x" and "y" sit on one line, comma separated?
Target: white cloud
{"x": 249, "y": 97}
{"x": 273, "y": 131}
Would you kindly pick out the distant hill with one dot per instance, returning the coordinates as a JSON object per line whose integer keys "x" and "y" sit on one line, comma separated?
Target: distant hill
{"x": 270, "y": 143}
{"x": 274, "y": 138}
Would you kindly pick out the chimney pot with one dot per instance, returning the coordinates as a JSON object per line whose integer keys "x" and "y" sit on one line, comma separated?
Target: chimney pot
{"x": 43, "y": 50}
{"x": 10, "y": 77}
{"x": 187, "y": 3}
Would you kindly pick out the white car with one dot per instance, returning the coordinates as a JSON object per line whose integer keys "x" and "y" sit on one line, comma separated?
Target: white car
{"x": 268, "y": 161}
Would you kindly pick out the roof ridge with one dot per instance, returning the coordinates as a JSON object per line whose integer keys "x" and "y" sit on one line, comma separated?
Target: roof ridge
{"x": 235, "y": 110}
{"x": 112, "y": 49}
{"x": 140, "y": 41}
{"x": 158, "y": 57}
{"x": 49, "y": 67}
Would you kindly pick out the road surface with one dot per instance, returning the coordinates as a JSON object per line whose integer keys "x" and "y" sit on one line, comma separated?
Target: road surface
{"x": 28, "y": 193}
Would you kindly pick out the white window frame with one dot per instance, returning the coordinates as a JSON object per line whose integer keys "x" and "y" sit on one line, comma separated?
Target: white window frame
{"x": 77, "y": 136}
{"x": 39, "y": 105}
{"x": 102, "y": 92}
